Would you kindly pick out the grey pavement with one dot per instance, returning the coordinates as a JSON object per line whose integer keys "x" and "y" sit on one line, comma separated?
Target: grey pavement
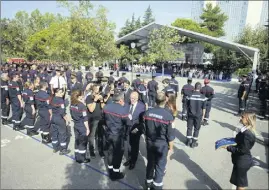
{"x": 28, "y": 164}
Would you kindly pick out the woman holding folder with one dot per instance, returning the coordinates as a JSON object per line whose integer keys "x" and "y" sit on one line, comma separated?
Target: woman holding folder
{"x": 241, "y": 156}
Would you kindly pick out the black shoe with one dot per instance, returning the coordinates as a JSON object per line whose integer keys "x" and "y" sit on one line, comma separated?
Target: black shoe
{"x": 9, "y": 122}
{"x": 92, "y": 154}
{"x": 83, "y": 162}
{"x": 64, "y": 152}
{"x": 132, "y": 166}
{"x": 148, "y": 185}
{"x": 188, "y": 142}
{"x": 4, "y": 121}
{"x": 55, "y": 150}
{"x": 32, "y": 133}
{"x": 205, "y": 123}
{"x": 127, "y": 163}
{"x": 117, "y": 176}
{"x": 194, "y": 144}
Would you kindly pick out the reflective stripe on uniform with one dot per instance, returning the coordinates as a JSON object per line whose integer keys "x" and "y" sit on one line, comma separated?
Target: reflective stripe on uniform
{"x": 45, "y": 133}
{"x": 5, "y": 117}
{"x": 189, "y": 137}
{"x": 157, "y": 184}
{"x": 195, "y": 138}
{"x": 110, "y": 167}
{"x": 202, "y": 99}
{"x": 63, "y": 144}
{"x": 116, "y": 170}
{"x": 149, "y": 180}
{"x": 16, "y": 121}
{"x": 82, "y": 151}
{"x": 54, "y": 142}
{"x": 30, "y": 127}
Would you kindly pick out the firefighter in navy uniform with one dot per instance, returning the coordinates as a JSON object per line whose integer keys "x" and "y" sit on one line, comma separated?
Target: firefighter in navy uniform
{"x": 186, "y": 91}
{"x": 174, "y": 83}
{"x": 196, "y": 104}
{"x": 117, "y": 123}
{"x": 122, "y": 79}
{"x": 16, "y": 101}
{"x": 59, "y": 122}
{"x": 209, "y": 94}
{"x": 264, "y": 97}
{"x": 143, "y": 92}
{"x": 5, "y": 101}
{"x": 29, "y": 108}
{"x": 159, "y": 135}
{"x": 75, "y": 84}
{"x": 89, "y": 79}
{"x": 152, "y": 91}
{"x": 78, "y": 113}
{"x": 136, "y": 82}
{"x": 99, "y": 74}
{"x": 167, "y": 88}
{"x": 79, "y": 76}
{"x": 243, "y": 92}
{"x": 111, "y": 79}
{"x": 42, "y": 100}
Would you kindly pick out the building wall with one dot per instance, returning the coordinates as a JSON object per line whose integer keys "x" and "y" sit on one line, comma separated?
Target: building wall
{"x": 264, "y": 13}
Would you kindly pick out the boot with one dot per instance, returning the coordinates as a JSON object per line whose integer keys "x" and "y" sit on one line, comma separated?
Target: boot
{"x": 92, "y": 154}
{"x": 148, "y": 185}
{"x": 48, "y": 139}
{"x": 188, "y": 142}
{"x": 4, "y": 121}
{"x": 117, "y": 176}
{"x": 194, "y": 143}
{"x": 64, "y": 151}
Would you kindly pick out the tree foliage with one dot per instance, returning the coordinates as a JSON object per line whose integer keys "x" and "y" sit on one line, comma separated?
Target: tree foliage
{"x": 213, "y": 19}
{"x": 135, "y": 24}
{"x": 160, "y": 47}
{"x": 79, "y": 38}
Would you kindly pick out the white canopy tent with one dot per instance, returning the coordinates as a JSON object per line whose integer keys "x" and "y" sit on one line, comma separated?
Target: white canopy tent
{"x": 142, "y": 37}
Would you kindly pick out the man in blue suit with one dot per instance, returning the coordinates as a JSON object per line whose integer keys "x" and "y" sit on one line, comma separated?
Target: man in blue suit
{"x": 136, "y": 111}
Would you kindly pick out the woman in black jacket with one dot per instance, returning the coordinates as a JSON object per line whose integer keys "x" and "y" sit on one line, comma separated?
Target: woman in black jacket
{"x": 241, "y": 156}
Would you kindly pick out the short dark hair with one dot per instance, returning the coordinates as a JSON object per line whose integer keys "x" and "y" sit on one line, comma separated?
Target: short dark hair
{"x": 127, "y": 82}
{"x": 118, "y": 96}
{"x": 161, "y": 98}
{"x": 198, "y": 86}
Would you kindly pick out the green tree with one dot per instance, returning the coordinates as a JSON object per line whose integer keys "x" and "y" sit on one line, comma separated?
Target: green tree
{"x": 148, "y": 16}
{"x": 133, "y": 23}
{"x": 126, "y": 29}
{"x": 213, "y": 19}
{"x": 138, "y": 23}
{"x": 161, "y": 45}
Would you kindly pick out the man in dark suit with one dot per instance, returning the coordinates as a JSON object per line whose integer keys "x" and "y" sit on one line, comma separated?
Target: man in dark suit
{"x": 127, "y": 92}
{"x": 136, "y": 111}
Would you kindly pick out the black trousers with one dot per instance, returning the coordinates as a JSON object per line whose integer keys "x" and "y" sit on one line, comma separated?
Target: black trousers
{"x": 16, "y": 113}
{"x": 207, "y": 109}
{"x": 115, "y": 150}
{"x": 101, "y": 137}
{"x": 59, "y": 134}
{"x": 242, "y": 105}
{"x": 133, "y": 148}
{"x": 93, "y": 129}
{"x": 43, "y": 122}
{"x": 5, "y": 110}
{"x": 184, "y": 107}
{"x": 152, "y": 100}
{"x": 157, "y": 159}
{"x": 81, "y": 141}
{"x": 29, "y": 119}
{"x": 195, "y": 122}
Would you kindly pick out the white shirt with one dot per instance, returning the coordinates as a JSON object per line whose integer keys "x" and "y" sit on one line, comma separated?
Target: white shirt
{"x": 134, "y": 106}
{"x": 54, "y": 81}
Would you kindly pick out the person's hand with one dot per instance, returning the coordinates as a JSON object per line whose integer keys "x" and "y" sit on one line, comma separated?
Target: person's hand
{"x": 170, "y": 152}
{"x": 87, "y": 132}
{"x": 224, "y": 147}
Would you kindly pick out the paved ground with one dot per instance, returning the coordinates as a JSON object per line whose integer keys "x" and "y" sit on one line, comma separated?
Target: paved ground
{"x": 28, "y": 164}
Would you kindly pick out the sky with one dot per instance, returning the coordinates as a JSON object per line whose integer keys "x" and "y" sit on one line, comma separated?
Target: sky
{"x": 165, "y": 12}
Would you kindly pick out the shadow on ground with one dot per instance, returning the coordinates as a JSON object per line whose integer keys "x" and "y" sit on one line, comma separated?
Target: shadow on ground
{"x": 226, "y": 125}
{"x": 204, "y": 179}
{"x": 226, "y": 102}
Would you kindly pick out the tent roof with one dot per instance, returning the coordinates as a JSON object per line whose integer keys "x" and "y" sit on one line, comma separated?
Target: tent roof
{"x": 142, "y": 36}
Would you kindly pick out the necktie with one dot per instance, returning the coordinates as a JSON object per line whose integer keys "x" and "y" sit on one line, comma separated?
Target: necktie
{"x": 58, "y": 82}
{"x": 131, "y": 110}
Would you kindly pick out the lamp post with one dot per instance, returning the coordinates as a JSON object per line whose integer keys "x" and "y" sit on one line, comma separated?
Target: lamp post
{"x": 132, "y": 46}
